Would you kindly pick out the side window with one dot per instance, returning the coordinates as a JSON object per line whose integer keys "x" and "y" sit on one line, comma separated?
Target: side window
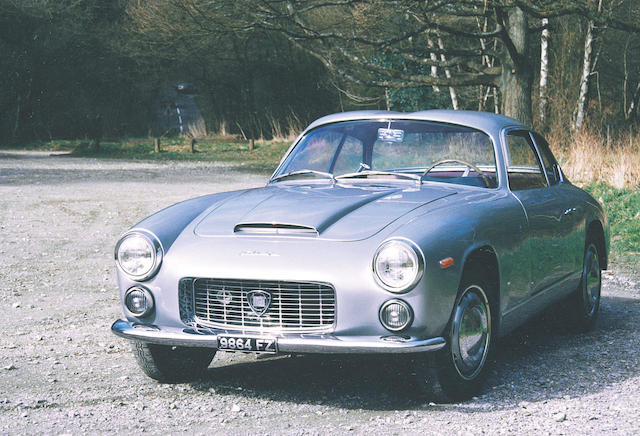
{"x": 550, "y": 163}
{"x": 523, "y": 167}
{"x": 350, "y": 156}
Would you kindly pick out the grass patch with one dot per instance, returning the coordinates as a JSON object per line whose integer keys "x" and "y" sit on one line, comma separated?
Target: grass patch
{"x": 623, "y": 210}
{"x": 263, "y": 159}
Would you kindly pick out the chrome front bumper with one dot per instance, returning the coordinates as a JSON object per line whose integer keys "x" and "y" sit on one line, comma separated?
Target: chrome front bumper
{"x": 289, "y": 343}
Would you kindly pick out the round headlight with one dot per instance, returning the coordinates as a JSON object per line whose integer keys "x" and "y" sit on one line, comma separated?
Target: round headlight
{"x": 398, "y": 265}
{"x": 396, "y": 315}
{"x": 138, "y": 301}
{"x": 138, "y": 255}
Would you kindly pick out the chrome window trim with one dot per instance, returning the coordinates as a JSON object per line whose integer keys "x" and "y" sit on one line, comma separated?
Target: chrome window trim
{"x": 527, "y": 132}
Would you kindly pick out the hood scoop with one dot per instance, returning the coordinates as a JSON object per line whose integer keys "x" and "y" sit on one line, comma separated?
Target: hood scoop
{"x": 274, "y": 229}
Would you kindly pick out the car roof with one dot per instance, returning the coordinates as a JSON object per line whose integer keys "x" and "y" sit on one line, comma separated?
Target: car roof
{"x": 485, "y": 121}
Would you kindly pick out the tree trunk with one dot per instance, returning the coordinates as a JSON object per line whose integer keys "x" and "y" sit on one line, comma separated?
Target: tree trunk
{"x": 587, "y": 65}
{"x": 156, "y": 145}
{"x": 516, "y": 77}
{"x": 584, "y": 80}
{"x": 447, "y": 73}
{"x": 434, "y": 69}
{"x": 633, "y": 107}
{"x": 544, "y": 72}
{"x": 16, "y": 124}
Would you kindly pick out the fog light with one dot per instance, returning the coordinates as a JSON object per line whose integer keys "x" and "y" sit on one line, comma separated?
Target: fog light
{"x": 138, "y": 302}
{"x": 396, "y": 315}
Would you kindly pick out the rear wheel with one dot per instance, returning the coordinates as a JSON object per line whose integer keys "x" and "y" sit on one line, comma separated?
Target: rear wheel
{"x": 457, "y": 372}
{"x": 172, "y": 364}
{"x": 584, "y": 302}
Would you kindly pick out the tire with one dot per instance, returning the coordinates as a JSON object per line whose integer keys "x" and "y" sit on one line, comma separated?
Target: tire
{"x": 172, "y": 364}
{"x": 458, "y": 371}
{"x": 584, "y": 303}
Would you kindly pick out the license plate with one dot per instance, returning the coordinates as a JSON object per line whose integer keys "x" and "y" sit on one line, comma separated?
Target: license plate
{"x": 242, "y": 343}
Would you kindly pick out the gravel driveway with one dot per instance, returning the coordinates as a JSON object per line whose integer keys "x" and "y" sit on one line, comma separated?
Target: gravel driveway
{"x": 63, "y": 372}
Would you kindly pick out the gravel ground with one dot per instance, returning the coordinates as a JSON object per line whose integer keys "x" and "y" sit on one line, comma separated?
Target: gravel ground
{"x": 63, "y": 372}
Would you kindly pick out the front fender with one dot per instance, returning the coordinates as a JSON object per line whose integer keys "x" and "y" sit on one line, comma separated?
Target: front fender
{"x": 168, "y": 223}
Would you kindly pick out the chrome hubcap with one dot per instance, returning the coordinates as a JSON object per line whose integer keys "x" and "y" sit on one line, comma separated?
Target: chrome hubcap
{"x": 592, "y": 280}
{"x": 471, "y": 332}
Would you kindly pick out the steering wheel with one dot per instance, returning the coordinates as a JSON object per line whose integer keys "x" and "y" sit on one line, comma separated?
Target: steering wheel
{"x": 481, "y": 173}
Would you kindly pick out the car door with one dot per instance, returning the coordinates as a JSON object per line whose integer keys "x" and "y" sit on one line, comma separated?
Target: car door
{"x": 545, "y": 211}
{"x": 571, "y": 228}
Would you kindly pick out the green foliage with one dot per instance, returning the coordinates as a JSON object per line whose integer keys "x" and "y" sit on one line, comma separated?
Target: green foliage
{"x": 412, "y": 99}
{"x": 417, "y": 99}
{"x": 623, "y": 210}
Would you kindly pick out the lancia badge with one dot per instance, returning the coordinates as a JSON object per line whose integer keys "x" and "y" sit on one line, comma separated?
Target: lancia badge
{"x": 259, "y": 301}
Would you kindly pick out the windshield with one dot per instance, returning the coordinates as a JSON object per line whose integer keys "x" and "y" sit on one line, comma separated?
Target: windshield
{"x": 387, "y": 149}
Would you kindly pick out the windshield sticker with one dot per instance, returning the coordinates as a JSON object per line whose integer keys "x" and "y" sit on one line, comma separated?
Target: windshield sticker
{"x": 390, "y": 135}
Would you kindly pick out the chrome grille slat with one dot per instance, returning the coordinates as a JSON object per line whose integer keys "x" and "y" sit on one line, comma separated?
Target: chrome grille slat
{"x": 295, "y": 306}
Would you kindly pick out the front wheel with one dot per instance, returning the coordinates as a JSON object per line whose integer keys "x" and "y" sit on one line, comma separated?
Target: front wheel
{"x": 584, "y": 302}
{"x": 457, "y": 372}
{"x": 172, "y": 364}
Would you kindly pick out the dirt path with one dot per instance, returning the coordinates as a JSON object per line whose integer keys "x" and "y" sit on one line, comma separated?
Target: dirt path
{"x": 63, "y": 372}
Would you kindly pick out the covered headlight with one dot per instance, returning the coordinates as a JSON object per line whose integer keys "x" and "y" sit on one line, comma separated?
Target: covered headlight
{"x": 139, "y": 255}
{"x": 398, "y": 265}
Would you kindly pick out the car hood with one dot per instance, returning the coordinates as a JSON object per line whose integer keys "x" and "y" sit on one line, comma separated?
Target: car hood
{"x": 331, "y": 211}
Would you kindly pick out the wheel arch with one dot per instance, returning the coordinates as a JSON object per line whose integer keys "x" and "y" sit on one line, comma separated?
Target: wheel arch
{"x": 595, "y": 233}
{"x": 484, "y": 258}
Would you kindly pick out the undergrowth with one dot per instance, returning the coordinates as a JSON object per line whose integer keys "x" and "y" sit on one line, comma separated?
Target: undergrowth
{"x": 623, "y": 211}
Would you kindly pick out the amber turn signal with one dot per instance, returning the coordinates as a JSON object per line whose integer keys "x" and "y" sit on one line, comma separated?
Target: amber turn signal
{"x": 446, "y": 263}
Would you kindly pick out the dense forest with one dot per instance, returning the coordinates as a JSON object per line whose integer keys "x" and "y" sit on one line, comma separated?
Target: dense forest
{"x": 79, "y": 68}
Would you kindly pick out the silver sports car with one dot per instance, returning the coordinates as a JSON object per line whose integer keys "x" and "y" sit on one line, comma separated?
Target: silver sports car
{"x": 432, "y": 233}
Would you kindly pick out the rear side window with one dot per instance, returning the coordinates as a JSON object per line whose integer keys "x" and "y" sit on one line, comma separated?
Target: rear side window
{"x": 550, "y": 164}
{"x": 523, "y": 166}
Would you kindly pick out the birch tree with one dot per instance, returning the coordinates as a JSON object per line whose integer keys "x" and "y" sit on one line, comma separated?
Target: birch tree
{"x": 447, "y": 73}
{"x": 544, "y": 72}
{"x": 587, "y": 66}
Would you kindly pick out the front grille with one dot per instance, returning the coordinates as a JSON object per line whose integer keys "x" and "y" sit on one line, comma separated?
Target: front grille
{"x": 294, "y": 306}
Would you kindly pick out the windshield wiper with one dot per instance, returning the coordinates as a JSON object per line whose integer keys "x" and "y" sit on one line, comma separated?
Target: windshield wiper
{"x": 303, "y": 173}
{"x": 367, "y": 173}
